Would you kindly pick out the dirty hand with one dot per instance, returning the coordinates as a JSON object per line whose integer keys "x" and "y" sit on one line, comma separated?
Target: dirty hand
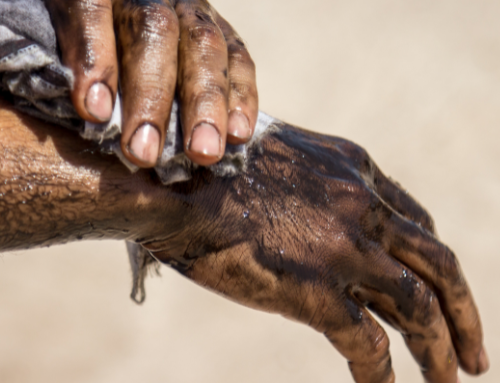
{"x": 161, "y": 47}
{"x": 320, "y": 235}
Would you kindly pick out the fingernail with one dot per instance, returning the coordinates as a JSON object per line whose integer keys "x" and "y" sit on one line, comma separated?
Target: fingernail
{"x": 145, "y": 144}
{"x": 238, "y": 125}
{"x": 206, "y": 140}
{"x": 99, "y": 101}
{"x": 483, "y": 363}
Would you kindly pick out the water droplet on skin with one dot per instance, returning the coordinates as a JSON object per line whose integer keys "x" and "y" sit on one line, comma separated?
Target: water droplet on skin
{"x": 282, "y": 251}
{"x": 293, "y": 185}
{"x": 246, "y": 213}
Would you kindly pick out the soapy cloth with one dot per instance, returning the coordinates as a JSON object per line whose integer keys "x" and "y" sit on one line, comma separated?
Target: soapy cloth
{"x": 34, "y": 80}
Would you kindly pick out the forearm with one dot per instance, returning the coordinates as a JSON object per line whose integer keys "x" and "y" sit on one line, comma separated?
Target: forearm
{"x": 54, "y": 189}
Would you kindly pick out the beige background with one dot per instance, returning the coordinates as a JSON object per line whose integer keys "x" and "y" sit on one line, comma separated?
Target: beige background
{"x": 416, "y": 82}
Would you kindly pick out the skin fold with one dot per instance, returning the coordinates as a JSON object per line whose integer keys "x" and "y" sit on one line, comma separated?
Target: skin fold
{"x": 311, "y": 230}
{"x": 153, "y": 49}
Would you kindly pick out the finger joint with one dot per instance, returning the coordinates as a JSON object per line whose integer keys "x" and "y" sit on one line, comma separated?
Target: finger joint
{"x": 206, "y": 34}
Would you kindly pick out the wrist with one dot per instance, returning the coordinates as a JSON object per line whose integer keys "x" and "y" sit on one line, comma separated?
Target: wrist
{"x": 53, "y": 189}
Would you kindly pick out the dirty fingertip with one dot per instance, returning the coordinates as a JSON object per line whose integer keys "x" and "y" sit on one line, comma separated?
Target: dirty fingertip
{"x": 145, "y": 144}
{"x": 239, "y": 127}
{"x": 206, "y": 140}
{"x": 99, "y": 101}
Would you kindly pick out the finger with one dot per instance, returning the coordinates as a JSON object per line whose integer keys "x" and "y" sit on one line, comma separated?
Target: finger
{"x": 148, "y": 33}
{"x": 402, "y": 298}
{"x": 243, "y": 96}
{"x": 202, "y": 83}
{"x": 438, "y": 266}
{"x": 87, "y": 41}
{"x": 401, "y": 201}
{"x": 361, "y": 340}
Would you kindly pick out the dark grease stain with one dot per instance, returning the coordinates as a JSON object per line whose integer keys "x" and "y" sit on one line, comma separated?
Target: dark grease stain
{"x": 374, "y": 219}
{"x": 204, "y": 17}
{"x": 354, "y": 311}
{"x": 271, "y": 258}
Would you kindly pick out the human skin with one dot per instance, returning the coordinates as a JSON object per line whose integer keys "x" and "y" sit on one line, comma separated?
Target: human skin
{"x": 161, "y": 47}
{"x": 317, "y": 234}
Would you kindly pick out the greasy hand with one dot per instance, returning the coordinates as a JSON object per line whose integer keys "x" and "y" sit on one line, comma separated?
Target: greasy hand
{"x": 159, "y": 44}
{"x": 314, "y": 231}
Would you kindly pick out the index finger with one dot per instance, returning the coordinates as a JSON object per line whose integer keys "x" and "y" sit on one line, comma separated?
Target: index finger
{"x": 85, "y": 35}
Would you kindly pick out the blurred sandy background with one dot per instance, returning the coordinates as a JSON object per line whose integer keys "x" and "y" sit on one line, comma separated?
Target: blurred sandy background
{"x": 416, "y": 82}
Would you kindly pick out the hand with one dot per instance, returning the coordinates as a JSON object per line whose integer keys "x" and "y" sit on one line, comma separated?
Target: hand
{"x": 314, "y": 231}
{"x": 160, "y": 44}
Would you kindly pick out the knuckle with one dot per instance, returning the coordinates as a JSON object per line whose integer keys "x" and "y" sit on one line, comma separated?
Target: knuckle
{"x": 209, "y": 91}
{"x": 154, "y": 94}
{"x": 165, "y": 18}
{"x": 242, "y": 59}
{"x": 427, "y": 311}
{"x": 377, "y": 345}
{"x": 150, "y": 20}
{"x": 447, "y": 265}
{"x": 243, "y": 91}
{"x": 238, "y": 52}
{"x": 206, "y": 34}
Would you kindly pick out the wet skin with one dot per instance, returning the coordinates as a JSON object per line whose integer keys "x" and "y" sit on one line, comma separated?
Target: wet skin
{"x": 311, "y": 230}
{"x": 159, "y": 45}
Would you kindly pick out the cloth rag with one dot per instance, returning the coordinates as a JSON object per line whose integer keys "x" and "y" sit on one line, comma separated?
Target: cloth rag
{"x": 34, "y": 80}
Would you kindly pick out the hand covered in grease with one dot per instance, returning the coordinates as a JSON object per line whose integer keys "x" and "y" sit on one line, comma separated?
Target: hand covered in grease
{"x": 320, "y": 235}
{"x": 159, "y": 45}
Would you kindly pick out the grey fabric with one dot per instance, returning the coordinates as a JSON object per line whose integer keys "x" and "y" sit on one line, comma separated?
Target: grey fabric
{"x": 30, "y": 71}
{"x": 30, "y": 19}
{"x": 32, "y": 77}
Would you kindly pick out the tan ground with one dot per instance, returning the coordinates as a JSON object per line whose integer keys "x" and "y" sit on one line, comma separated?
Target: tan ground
{"x": 415, "y": 82}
